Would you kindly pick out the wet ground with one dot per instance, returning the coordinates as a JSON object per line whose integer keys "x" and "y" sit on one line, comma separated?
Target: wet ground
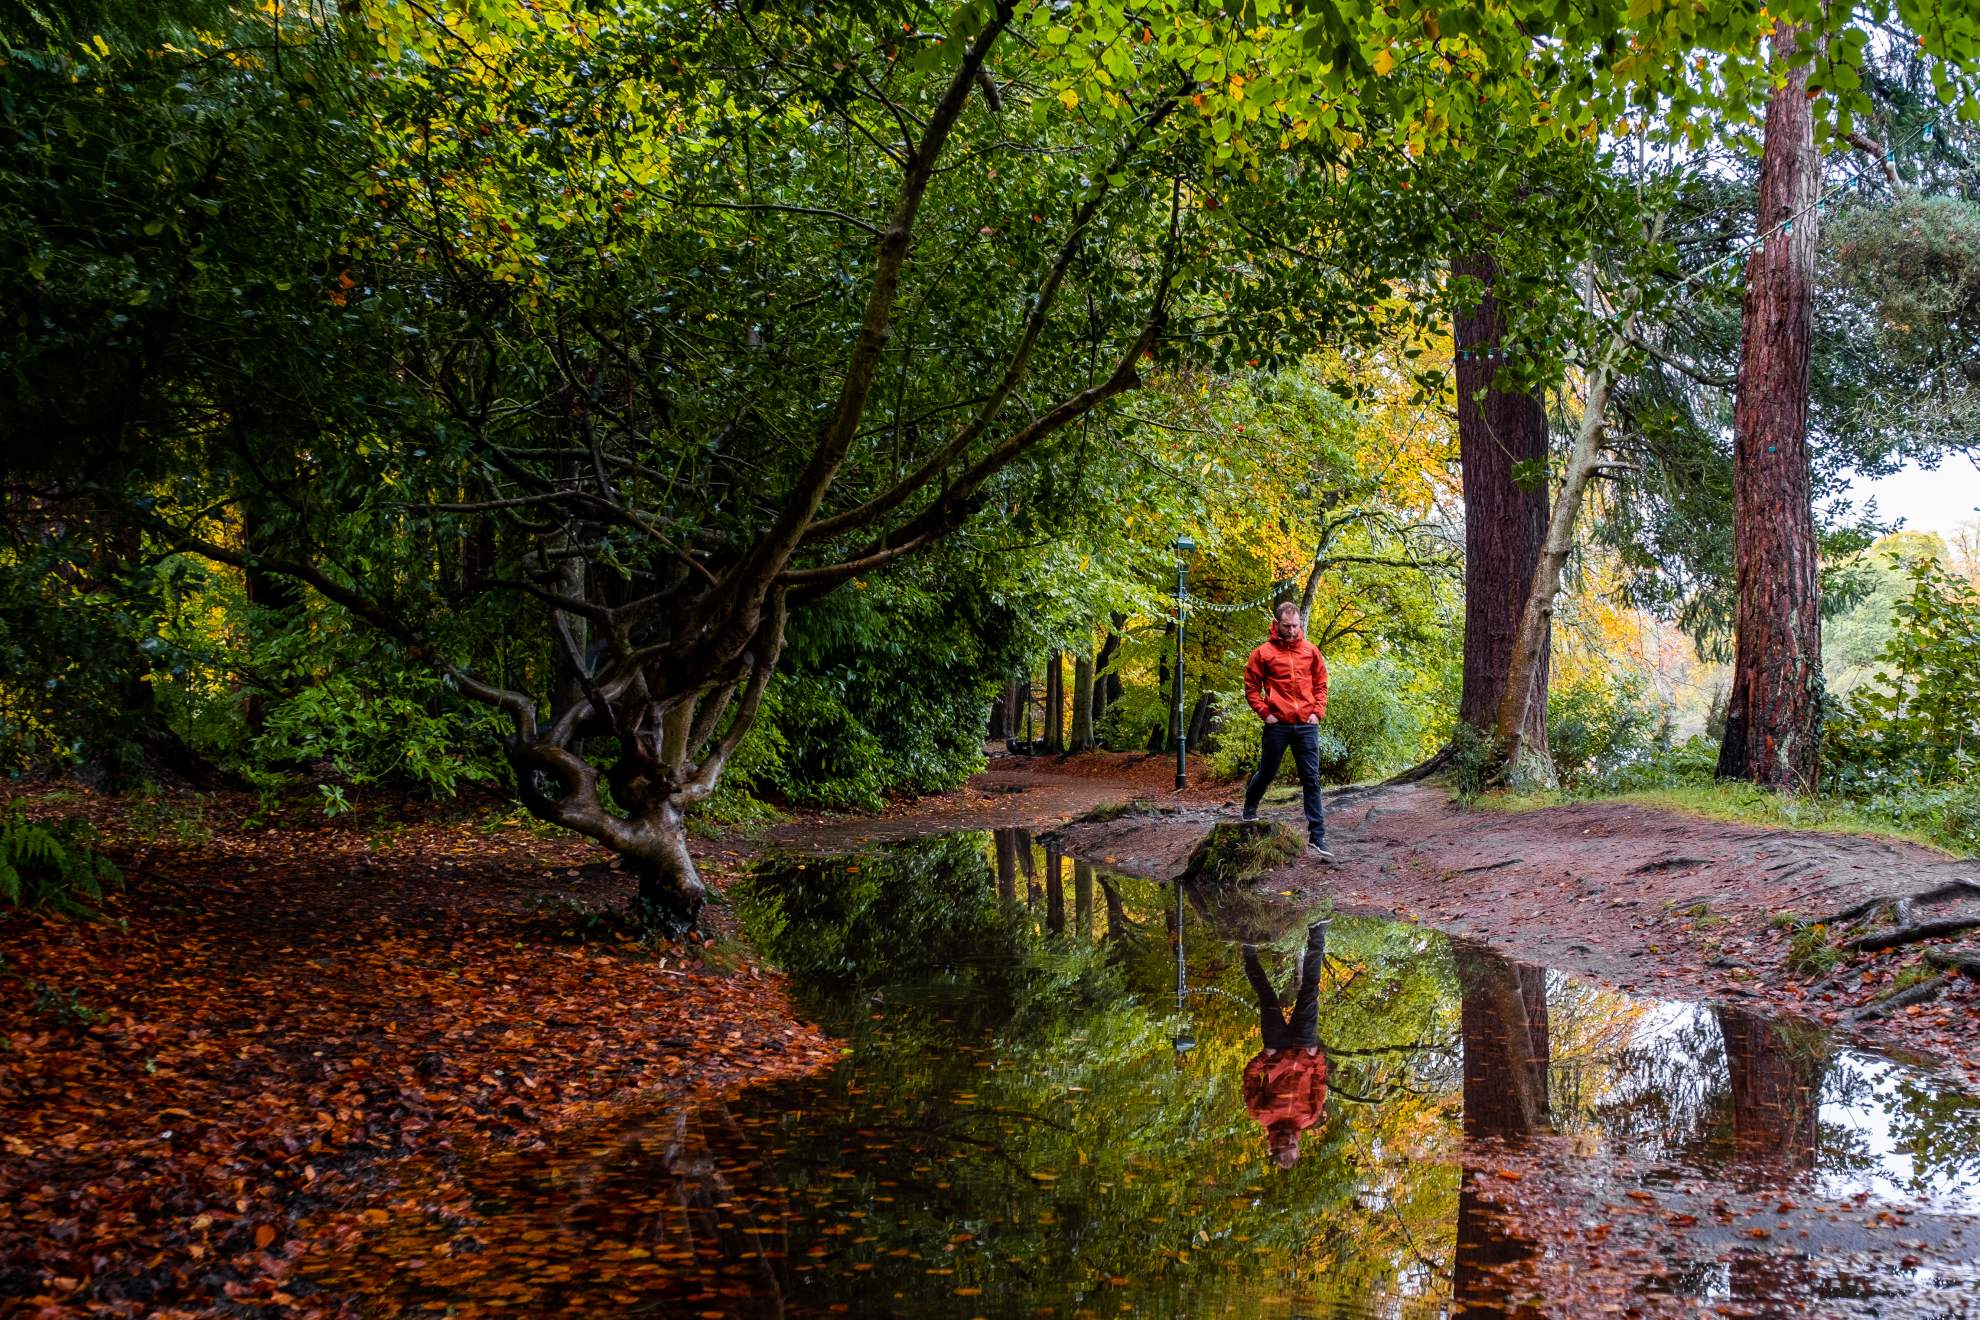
{"x": 1041, "y": 1108}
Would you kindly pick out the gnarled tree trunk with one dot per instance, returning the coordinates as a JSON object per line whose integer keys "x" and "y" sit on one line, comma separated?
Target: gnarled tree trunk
{"x": 1773, "y": 712}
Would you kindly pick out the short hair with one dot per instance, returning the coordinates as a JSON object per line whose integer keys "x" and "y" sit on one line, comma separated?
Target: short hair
{"x": 1285, "y": 607}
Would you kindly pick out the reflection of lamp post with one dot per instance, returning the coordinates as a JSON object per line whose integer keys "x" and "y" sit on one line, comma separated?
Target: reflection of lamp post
{"x": 1184, "y": 548}
{"x": 1184, "y": 1039}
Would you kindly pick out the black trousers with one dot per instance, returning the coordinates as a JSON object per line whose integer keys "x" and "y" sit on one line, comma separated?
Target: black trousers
{"x": 1304, "y": 1028}
{"x": 1304, "y": 742}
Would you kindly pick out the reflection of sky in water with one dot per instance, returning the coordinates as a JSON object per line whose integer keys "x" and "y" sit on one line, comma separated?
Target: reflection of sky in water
{"x": 1883, "y": 1129}
{"x": 1866, "y": 1098}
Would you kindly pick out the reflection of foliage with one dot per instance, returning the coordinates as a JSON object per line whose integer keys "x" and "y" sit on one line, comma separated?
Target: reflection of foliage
{"x": 1035, "y": 1071}
{"x": 1939, "y": 1129}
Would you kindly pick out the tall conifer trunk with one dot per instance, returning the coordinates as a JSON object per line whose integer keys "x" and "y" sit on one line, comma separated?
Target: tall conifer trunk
{"x": 1773, "y": 712}
{"x": 1505, "y": 525}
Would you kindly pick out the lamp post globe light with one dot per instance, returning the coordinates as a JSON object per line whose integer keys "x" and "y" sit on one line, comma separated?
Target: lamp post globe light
{"x": 1184, "y": 547}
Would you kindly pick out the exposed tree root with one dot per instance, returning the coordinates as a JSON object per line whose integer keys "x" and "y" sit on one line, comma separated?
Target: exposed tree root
{"x": 1923, "y": 992}
{"x": 1956, "y": 960}
{"x": 1670, "y": 864}
{"x": 1892, "y": 937}
{"x": 1423, "y": 770}
{"x": 1489, "y": 866}
{"x": 1950, "y": 889}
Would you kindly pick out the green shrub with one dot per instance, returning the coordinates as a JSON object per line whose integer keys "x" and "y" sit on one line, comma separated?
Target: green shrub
{"x": 1477, "y": 757}
{"x": 881, "y": 691}
{"x": 1916, "y": 723}
{"x": 1139, "y": 722}
{"x": 1693, "y": 761}
{"x": 1601, "y": 724}
{"x": 53, "y": 866}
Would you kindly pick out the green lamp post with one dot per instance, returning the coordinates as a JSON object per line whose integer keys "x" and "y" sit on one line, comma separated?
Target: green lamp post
{"x": 1184, "y": 549}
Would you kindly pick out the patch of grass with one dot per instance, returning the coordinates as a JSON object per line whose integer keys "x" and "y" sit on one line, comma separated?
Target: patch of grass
{"x": 1703, "y": 918}
{"x": 1915, "y": 974}
{"x": 1107, "y": 811}
{"x": 1235, "y": 853}
{"x": 1748, "y": 804}
{"x": 1810, "y": 952}
{"x": 163, "y": 818}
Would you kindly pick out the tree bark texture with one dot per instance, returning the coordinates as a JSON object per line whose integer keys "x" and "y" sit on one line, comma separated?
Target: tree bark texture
{"x": 1083, "y": 898}
{"x": 1055, "y": 702}
{"x": 1773, "y": 711}
{"x": 1082, "y": 704}
{"x": 1007, "y": 845}
{"x": 1055, "y": 891}
{"x": 1116, "y": 911}
{"x": 1107, "y": 683}
{"x": 1522, "y": 698}
{"x": 1504, "y": 524}
{"x": 1776, "y": 1074}
{"x": 1199, "y": 722}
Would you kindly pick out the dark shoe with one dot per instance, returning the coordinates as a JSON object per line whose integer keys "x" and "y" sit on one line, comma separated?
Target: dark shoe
{"x": 1318, "y": 851}
{"x": 1249, "y": 815}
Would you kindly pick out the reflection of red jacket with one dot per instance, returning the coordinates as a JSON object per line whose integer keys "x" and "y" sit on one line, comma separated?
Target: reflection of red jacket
{"x": 1289, "y": 1087}
{"x": 1293, "y": 678}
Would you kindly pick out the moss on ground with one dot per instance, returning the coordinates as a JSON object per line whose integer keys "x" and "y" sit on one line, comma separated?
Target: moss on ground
{"x": 1238, "y": 852}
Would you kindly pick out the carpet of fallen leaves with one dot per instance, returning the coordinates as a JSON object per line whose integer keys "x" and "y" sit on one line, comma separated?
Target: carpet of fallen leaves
{"x": 271, "y": 1019}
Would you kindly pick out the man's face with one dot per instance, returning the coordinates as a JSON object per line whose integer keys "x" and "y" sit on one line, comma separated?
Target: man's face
{"x": 1289, "y": 626}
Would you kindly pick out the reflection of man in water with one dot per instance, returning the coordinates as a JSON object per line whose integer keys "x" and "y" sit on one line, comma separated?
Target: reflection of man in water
{"x": 1285, "y": 1084}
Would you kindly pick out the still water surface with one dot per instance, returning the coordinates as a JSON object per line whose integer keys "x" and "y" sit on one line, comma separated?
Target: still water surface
{"x": 1042, "y": 1109}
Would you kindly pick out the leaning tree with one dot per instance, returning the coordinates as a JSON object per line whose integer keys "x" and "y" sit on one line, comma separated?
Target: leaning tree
{"x": 704, "y": 321}
{"x": 659, "y": 325}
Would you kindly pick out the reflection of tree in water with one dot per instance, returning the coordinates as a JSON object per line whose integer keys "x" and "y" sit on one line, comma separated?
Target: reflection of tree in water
{"x": 726, "y": 1229}
{"x": 1503, "y": 1021}
{"x": 1775, "y": 1070}
{"x": 1042, "y": 1086}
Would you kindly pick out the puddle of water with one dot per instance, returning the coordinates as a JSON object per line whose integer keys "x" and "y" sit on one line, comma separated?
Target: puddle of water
{"x": 1050, "y": 1105}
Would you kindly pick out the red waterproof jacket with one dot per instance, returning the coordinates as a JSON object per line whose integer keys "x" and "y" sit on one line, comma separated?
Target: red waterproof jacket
{"x": 1286, "y": 680}
{"x": 1288, "y": 1088}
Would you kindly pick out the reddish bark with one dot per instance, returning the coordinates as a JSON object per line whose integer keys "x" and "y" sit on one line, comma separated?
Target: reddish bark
{"x": 1507, "y": 1045}
{"x": 1504, "y": 525}
{"x": 1773, "y": 710}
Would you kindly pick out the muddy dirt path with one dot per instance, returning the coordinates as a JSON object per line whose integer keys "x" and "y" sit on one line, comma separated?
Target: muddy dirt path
{"x": 1652, "y": 901}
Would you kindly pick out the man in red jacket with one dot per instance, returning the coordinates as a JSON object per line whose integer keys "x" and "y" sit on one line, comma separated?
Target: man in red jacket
{"x": 1286, "y": 683}
{"x": 1285, "y": 1084}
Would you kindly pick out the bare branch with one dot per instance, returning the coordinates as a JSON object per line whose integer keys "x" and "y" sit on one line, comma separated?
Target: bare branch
{"x": 755, "y": 572}
{"x": 819, "y": 211}
{"x": 1020, "y": 359}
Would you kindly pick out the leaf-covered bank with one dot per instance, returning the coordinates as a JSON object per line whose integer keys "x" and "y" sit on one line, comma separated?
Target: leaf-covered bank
{"x": 195, "y": 1086}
